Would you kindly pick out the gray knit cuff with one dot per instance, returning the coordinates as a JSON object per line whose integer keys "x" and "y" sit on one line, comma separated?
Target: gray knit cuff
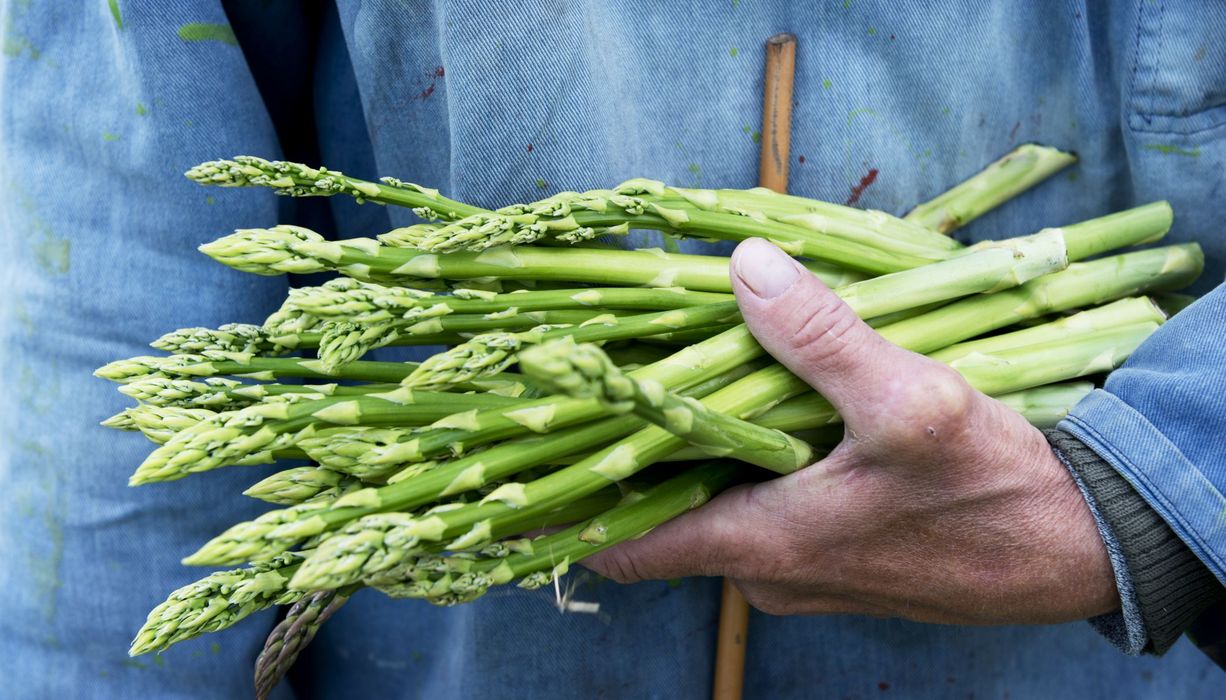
{"x": 1170, "y": 585}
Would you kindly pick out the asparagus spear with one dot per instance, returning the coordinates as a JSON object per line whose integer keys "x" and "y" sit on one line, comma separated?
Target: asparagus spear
{"x": 583, "y": 370}
{"x": 289, "y": 249}
{"x": 451, "y": 581}
{"x": 297, "y": 180}
{"x": 1045, "y": 406}
{"x": 495, "y": 352}
{"x": 216, "y": 602}
{"x": 882, "y": 230}
{"x": 300, "y": 484}
{"x": 342, "y": 342}
{"x": 211, "y": 363}
{"x": 291, "y": 635}
{"x": 1083, "y": 284}
{"x": 1120, "y": 313}
{"x": 1019, "y": 170}
{"x": 572, "y": 216}
{"x": 361, "y": 301}
{"x": 254, "y": 432}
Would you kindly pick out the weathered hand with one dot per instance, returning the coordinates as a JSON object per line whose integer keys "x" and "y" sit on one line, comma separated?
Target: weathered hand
{"x": 940, "y": 504}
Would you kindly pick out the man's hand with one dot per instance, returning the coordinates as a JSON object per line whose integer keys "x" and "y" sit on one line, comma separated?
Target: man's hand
{"x": 940, "y": 504}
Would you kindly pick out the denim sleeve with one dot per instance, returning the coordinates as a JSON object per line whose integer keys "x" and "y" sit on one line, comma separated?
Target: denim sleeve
{"x": 1160, "y": 420}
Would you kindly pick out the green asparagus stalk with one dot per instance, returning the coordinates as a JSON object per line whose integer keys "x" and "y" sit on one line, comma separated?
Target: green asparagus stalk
{"x": 583, "y": 370}
{"x": 1144, "y": 224}
{"x": 299, "y": 484}
{"x": 581, "y": 216}
{"x": 362, "y": 301}
{"x": 495, "y": 352}
{"x": 1041, "y": 406}
{"x": 1124, "y": 312}
{"x": 880, "y": 229}
{"x": 161, "y": 423}
{"x": 214, "y": 363}
{"x": 1019, "y": 170}
{"x": 231, "y": 337}
{"x": 216, "y": 602}
{"x": 1083, "y": 284}
{"x": 571, "y": 217}
{"x": 448, "y": 582}
{"x": 342, "y": 342}
{"x": 1045, "y": 406}
{"x": 292, "y": 249}
{"x": 256, "y": 431}
{"x": 297, "y": 180}
{"x": 218, "y": 393}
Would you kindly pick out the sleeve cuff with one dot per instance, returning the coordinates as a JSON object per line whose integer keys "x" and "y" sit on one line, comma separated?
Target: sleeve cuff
{"x": 1163, "y": 586}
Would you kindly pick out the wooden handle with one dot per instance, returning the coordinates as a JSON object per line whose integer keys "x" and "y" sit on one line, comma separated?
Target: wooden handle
{"x": 730, "y": 651}
{"x": 772, "y": 173}
{"x": 777, "y": 112}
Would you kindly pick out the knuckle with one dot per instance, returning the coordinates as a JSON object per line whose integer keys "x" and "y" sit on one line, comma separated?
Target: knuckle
{"x": 931, "y": 406}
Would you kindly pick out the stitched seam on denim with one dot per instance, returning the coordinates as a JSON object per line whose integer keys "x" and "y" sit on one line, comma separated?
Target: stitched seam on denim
{"x": 1143, "y": 484}
{"x": 1153, "y": 92}
{"x": 1153, "y": 70}
{"x": 1173, "y": 132}
{"x": 1184, "y": 113}
{"x": 1136, "y": 57}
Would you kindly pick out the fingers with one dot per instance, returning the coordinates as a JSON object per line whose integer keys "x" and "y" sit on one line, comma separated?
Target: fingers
{"x": 714, "y": 540}
{"x": 807, "y": 328}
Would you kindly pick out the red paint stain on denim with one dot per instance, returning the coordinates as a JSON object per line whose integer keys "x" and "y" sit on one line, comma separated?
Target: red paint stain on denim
{"x": 425, "y": 94}
{"x": 529, "y": 148}
{"x": 858, "y": 189}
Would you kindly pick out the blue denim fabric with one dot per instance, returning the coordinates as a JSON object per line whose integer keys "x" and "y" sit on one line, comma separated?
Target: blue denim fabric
{"x": 1160, "y": 422}
{"x": 103, "y": 104}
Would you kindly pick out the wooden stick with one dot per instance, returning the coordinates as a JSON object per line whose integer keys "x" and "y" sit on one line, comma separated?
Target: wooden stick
{"x": 777, "y": 112}
{"x": 772, "y": 173}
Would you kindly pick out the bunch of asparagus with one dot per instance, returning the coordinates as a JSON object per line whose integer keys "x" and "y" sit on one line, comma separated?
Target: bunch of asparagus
{"x": 588, "y": 390}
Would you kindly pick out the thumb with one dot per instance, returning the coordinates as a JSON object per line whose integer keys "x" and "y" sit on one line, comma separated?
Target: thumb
{"x": 811, "y": 331}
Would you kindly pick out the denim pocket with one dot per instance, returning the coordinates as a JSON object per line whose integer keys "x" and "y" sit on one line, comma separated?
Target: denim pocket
{"x": 1178, "y": 82}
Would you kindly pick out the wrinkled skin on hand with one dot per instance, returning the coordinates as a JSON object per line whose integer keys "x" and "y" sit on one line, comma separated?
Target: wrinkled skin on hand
{"x": 940, "y": 504}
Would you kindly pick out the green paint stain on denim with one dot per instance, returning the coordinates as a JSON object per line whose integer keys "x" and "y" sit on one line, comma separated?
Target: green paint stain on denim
{"x": 199, "y": 31}
{"x": 53, "y": 255}
{"x": 114, "y": 5}
{"x": 1173, "y": 150}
